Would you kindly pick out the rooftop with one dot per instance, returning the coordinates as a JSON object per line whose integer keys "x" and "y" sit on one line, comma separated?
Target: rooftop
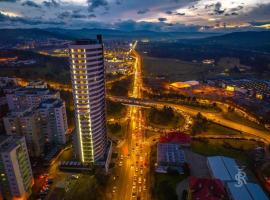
{"x": 98, "y": 40}
{"x": 203, "y": 188}
{"x": 21, "y": 113}
{"x": 176, "y": 137}
{"x": 34, "y": 91}
{"x": 249, "y": 191}
{"x": 223, "y": 168}
{"x": 8, "y": 142}
{"x": 169, "y": 154}
{"x": 51, "y": 103}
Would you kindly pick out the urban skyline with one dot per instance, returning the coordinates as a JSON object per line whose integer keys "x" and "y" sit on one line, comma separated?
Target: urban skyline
{"x": 129, "y": 100}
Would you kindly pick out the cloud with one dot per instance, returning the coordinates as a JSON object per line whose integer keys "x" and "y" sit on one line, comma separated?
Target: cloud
{"x": 12, "y": 1}
{"x": 51, "y": 3}
{"x": 162, "y": 19}
{"x": 75, "y": 13}
{"x": 25, "y": 21}
{"x": 31, "y": 4}
{"x": 217, "y": 9}
{"x": 180, "y": 14}
{"x": 119, "y": 2}
{"x": 64, "y": 15}
{"x": 92, "y": 16}
{"x": 143, "y": 11}
{"x": 94, "y": 4}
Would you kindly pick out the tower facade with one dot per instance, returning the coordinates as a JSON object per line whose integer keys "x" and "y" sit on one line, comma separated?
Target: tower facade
{"x": 88, "y": 83}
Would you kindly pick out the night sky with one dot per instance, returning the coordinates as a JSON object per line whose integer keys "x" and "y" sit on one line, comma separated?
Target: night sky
{"x": 162, "y": 15}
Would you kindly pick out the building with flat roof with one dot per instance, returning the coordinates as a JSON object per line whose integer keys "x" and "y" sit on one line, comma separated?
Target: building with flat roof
{"x": 16, "y": 178}
{"x": 26, "y": 122}
{"x": 37, "y": 84}
{"x": 223, "y": 168}
{"x": 88, "y": 85}
{"x": 169, "y": 155}
{"x": 227, "y": 170}
{"x": 249, "y": 191}
{"x": 23, "y": 98}
{"x": 53, "y": 120}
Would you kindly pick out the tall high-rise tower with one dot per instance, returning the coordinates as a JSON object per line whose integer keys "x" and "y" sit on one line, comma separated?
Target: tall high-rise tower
{"x": 88, "y": 83}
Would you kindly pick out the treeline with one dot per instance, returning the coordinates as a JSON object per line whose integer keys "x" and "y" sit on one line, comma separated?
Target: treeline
{"x": 163, "y": 116}
{"x": 201, "y": 124}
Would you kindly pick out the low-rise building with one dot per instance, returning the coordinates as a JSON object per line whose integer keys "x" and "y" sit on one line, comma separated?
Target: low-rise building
{"x": 16, "y": 178}
{"x": 206, "y": 189}
{"x": 26, "y": 123}
{"x": 248, "y": 191}
{"x": 223, "y": 168}
{"x": 235, "y": 179}
{"x": 54, "y": 120}
{"x": 169, "y": 155}
{"x": 177, "y": 138}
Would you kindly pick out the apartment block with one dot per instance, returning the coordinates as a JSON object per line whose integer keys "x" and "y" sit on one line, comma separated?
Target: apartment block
{"x": 16, "y": 178}
{"x": 54, "y": 120}
{"x": 23, "y": 98}
{"x": 26, "y": 123}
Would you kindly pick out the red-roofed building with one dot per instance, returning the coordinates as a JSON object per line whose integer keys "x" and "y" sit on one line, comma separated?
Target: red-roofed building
{"x": 206, "y": 189}
{"x": 176, "y": 137}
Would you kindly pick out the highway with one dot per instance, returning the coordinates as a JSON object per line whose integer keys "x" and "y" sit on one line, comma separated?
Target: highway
{"x": 131, "y": 176}
{"x": 214, "y": 117}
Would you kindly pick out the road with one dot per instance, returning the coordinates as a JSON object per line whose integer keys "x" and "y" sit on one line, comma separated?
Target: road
{"x": 131, "y": 176}
{"x": 214, "y": 117}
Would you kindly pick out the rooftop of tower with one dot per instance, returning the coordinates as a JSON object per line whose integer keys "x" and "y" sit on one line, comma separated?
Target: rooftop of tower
{"x": 98, "y": 40}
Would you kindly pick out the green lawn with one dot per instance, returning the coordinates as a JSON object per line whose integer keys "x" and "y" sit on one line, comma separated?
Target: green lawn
{"x": 84, "y": 189}
{"x": 163, "y": 185}
{"x": 216, "y": 129}
{"x": 120, "y": 88}
{"x": 158, "y": 120}
{"x": 200, "y": 107}
{"x": 237, "y": 149}
{"x": 233, "y": 116}
{"x": 177, "y": 70}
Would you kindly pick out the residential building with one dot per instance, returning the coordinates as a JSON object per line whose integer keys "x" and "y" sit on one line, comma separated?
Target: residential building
{"x": 29, "y": 97}
{"x": 53, "y": 121}
{"x": 37, "y": 84}
{"x": 88, "y": 83}
{"x": 6, "y": 81}
{"x": 26, "y": 123}
{"x": 16, "y": 178}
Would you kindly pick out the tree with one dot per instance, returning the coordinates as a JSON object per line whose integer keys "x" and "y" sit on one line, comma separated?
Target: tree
{"x": 200, "y": 124}
{"x": 165, "y": 191}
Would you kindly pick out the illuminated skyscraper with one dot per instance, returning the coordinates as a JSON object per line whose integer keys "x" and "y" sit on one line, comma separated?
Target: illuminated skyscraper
{"x": 88, "y": 83}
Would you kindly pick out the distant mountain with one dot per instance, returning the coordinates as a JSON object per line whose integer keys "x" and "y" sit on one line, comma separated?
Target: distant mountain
{"x": 17, "y": 35}
{"x": 10, "y": 36}
{"x": 118, "y": 34}
{"x": 251, "y": 40}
